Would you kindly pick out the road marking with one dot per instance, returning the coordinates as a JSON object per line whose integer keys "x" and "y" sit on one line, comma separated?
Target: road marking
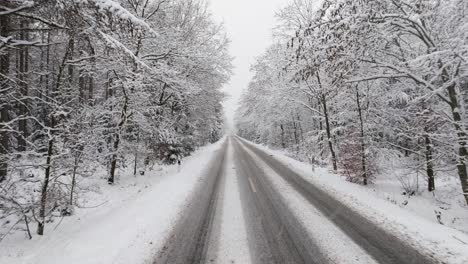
{"x": 252, "y": 185}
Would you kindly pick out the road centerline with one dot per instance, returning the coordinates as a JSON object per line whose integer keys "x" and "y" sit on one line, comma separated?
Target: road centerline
{"x": 252, "y": 185}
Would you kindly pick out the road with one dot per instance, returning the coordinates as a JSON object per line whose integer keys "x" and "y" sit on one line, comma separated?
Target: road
{"x": 264, "y": 223}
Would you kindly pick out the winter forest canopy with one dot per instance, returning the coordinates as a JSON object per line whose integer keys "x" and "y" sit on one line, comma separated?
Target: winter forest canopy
{"x": 358, "y": 84}
{"x": 87, "y": 84}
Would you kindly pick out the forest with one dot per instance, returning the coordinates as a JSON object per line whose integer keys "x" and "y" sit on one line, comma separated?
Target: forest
{"x": 358, "y": 85}
{"x": 101, "y": 85}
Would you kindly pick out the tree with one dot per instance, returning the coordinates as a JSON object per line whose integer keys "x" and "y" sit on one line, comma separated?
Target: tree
{"x": 93, "y": 79}
{"x": 379, "y": 77}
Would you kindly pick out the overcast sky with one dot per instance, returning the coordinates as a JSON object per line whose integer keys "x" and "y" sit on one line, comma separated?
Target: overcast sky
{"x": 249, "y": 25}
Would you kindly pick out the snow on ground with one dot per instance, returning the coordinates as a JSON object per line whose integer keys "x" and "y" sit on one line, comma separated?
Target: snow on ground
{"x": 333, "y": 243}
{"x": 446, "y": 199}
{"x": 232, "y": 243}
{"x": 129, "y": 223}
{"x": 424, "y": 231}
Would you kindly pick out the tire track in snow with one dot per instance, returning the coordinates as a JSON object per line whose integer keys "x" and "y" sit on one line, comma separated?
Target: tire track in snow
{"x": 313, "y": 231}
{"x": 188, "y": 242}
{"x": 228, "y": 243}
{"x": 381, "y": 245}
{"x": 269, "y": 233}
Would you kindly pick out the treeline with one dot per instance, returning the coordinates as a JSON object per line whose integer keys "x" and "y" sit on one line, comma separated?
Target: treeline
{"x": 356, "y": 83}
{"x": 87, "y": 84}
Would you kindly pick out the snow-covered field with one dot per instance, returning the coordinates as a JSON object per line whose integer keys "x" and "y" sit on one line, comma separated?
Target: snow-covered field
{"x": 383, "y": 203}
{"x": 124, "y": 223}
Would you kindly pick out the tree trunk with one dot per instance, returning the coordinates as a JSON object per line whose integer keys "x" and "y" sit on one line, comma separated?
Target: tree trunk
{"x": 329, "y": 137}
{"x": 52, "y": 125}
{"x": 283, "y": 144}
{"x": 322, "y": 149}
{"x": 82, "y": 86}
{"x": 70, "y": 52}
{"x": 296, "y": 132}
{"x": 461, "y": 139}
{"x": 123, "y": 119}
{"x": 135, "y": 163}
{"x": 111, "y": 178}
{"x": 23, "y": 54}
{"x": 4, "y": 85}
{"x": 363, "y": 145}
{"x": 300, "y": 127}
{"x": 327, "y": 125}
{"x": 91, "y": 91}
{"x": 73, "y": 183}
{"x": 92, "y": 52}
{"x": 45, "y": 184}
{"x": 47, "y": 67}
{"x": 429, "y": 164}
{"x": 4, "y": 143}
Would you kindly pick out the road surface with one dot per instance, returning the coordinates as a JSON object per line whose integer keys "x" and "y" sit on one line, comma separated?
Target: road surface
{"x": 263, "y": 227}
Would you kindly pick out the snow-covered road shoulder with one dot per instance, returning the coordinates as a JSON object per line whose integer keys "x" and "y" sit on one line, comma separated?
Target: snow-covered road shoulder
{"x": 131, "y": 230}
{"x": 444, "y": 243}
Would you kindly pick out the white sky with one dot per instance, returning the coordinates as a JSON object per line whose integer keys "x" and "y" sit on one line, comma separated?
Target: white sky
{"x": 249, "y": 25}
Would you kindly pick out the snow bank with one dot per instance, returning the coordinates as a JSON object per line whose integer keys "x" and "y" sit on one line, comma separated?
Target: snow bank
{"x": 130, "y": 226}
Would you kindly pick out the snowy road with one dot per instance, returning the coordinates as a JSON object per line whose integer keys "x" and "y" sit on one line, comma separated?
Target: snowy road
{"x": 253, "y": 209}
